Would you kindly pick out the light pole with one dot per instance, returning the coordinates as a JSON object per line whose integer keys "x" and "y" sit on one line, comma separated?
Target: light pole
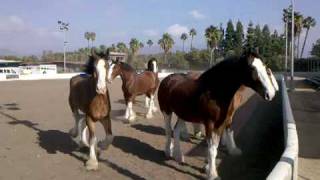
{"x": 64, "y": 27}
{"x": 292, "y": 41}
{"x": 286, "y": 57}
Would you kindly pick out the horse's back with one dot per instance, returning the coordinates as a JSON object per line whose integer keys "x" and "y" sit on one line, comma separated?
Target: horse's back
{"x": 146, "y": 82}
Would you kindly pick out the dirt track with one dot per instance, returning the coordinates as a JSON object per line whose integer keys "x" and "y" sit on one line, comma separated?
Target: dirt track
{"x": 34, "y": 143}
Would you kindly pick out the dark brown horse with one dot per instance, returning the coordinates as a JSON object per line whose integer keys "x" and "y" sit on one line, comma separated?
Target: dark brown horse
{"x": 89, "y": 94}
{"x": 207, "y": 100}
{"x": 133, "y": 85}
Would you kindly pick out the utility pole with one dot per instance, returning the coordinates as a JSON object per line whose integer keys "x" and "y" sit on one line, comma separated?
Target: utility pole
{"x": 286, "y": 56}
{"x": 64, "y": 27}
{"x": 292, "y": 41}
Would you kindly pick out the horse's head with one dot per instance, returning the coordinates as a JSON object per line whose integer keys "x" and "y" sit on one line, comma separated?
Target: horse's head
{"x": 114, "y": 70}
{"x": 152, "y": 65}
{"x": 97, "y": 66}
{"x": 259, "y": 77}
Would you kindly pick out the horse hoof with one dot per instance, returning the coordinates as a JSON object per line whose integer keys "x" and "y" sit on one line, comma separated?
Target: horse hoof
{"x": 179, "y": 158}
{"x": 235, "y": 152}
{"x": 73, "y": 132}
{"x": 91, "y": 165}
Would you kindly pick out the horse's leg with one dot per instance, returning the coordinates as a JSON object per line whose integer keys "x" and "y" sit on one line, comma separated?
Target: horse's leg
{"x": 147, "y": 102}
{"x": 168, "y": 130}
{"x": 74, "y": 131}
{"x": 132, "y": 114}
{"x": 154, "y": 108}
{"x": 106, "y": 123}
{"x": 197, "y": 130}
{"x": 184, "y": 131}
{"x": 213, "y": 143}
{"x": 177, "y": 154}
{"x": 149, "y": 113}
{"x": 92, "y": 163}
{"x": 228, "y": 140}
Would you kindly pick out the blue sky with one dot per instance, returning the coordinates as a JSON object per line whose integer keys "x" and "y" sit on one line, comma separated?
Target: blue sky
{"x": 28, "y": 27}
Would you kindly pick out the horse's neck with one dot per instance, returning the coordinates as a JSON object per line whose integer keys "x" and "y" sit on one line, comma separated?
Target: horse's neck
{"x": 127, "y": 76}
{"x": 221, "y": 84}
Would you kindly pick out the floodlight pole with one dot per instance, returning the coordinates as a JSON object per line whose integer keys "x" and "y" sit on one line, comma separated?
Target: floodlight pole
{"x": 64, "y": 27}
{"x": 292, "y": 41}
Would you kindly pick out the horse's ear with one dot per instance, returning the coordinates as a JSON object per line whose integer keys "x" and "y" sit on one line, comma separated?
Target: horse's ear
{"x": 94, "y": 54}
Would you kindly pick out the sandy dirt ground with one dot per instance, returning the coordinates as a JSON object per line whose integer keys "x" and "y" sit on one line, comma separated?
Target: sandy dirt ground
{"x": 34, "y": 142}
{"x": 305, "y": 104}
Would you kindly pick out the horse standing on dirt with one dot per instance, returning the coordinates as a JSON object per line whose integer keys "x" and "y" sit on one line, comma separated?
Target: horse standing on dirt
{"x": 90, "y": 95}
{"x": 207, "y": 100}
{"x": 153, "y": 67}
{"x": 133, "y": 85}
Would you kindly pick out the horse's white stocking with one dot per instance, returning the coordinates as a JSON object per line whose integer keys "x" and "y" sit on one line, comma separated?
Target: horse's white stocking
{"x": 126, "y": 116}
{"x": 147, "y": 102}
{"x": 84, "y": 138}
{"x": 177, "y": 154}
{"x": 132, "y": 114}
{"x": 167, "y": 124}
{"x": 228, "y": 140}
{"x": 213, "y": 144}
{"x": 150, "y": 109}
{"x": 154, "y": 108}
{"x": 92, "y": 163}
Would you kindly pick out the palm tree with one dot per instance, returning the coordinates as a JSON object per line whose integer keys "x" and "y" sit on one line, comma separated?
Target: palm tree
{"x": 166, "y": 43}
{"x": 213, "y": 36}
{"x": 307, "y": 24}
{"x": 122, "y": 47}
{"x": 141, "y": 45}
{"x": 184, "y": 37}
{"x": 134, "y": 47}
{"x": 92, "y": 37}
{"x": 150, "y": 43}
{"x": 87, "y": 37}
{"x": 192, "y": 33}
{"x": 298, "y": 29}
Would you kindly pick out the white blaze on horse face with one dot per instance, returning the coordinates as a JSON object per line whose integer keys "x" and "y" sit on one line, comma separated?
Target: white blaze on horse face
{"x": 155, "y": 68}
{"x": 264, "y": 78}
{"x": 110, "y": 72}
{"x": 273, "y": 80}
{"x": 101, "y": 72}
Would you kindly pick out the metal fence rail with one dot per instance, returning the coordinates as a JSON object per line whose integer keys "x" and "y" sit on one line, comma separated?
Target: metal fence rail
{"x": 287, "y": 167}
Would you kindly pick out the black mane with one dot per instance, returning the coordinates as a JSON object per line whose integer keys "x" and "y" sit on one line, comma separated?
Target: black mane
{"x": 126, "y": 67}
{"x": 89, "y": 67}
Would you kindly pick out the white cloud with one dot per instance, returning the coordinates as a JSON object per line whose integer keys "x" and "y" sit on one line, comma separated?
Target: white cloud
{"x": 197, "y": 15}
{"x": 177, "y": 29}
{"x": 23, "y": 37}
{"x": 151, "y": 32}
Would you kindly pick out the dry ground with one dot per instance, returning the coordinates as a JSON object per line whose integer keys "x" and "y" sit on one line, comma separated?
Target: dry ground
{"x": 34, "y": 143}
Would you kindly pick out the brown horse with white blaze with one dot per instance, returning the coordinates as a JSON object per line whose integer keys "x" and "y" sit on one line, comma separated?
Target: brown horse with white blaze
{"x": 207, "y": 100}
{"x": 90, "y": 95}
{"x": 133, "y": 85}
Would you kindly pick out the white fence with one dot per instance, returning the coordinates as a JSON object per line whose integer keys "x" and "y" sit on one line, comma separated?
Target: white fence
{"x": 287, "y": 167}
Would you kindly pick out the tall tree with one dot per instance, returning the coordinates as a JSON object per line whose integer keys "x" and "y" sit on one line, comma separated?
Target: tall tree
{"x": 166, "y": 43}
{"x": 92, "y": 37}
{"x": 308, "y": 23}
{"x": 229, "y": 37}
{"x": 213, "y": 35}
{"x": 298, "y": 29}
{"x": 238, "y": 38}
{"x": 184, "y": 37}
{"x": 258, "y": 38}
{"x": 249, "y": 45}
{"x": 266, "y": 47}
{"x": 87, "y": 37}
{"x": 150, "y": 43}
{"x": 122, "y": 47}
{"x": 141, "y": 45}
{"x": 192, "y": 33}
{"x": 316, "y": 49}
{"x": 134, "y": 47}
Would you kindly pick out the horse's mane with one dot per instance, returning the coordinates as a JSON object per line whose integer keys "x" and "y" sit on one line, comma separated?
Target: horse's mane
{"x": 150, "y": 65}
{"x": 127, "y": 67}
{"x": 89, "y": 67}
